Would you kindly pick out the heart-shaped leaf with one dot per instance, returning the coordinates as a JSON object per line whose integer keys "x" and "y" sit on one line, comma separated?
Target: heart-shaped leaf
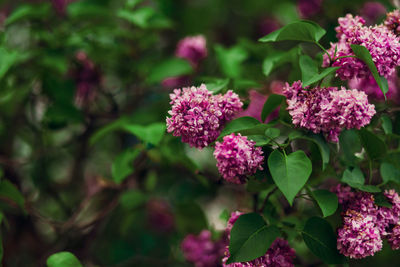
{"x": 250, "y": 238}
{"x": 239, "y": 124}
{"x": 327, "y": 201}
{"x": 355, "y": 178}
{"x": 289, "y": 172}
{"x": 321, "y": 240}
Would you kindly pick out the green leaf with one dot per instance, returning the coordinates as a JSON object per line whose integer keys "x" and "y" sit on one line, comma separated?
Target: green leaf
{"x": 319, "y": 141}
{"x": 321, "y": 240}
{"x": 250, "y": 238}
{"x": 350, "y": 144}
{"x": 387, "y": 124}
{"x": 239, "y": 124}
{"x": 381, "y": 200}
{"x": 152, "y": 133}
{"x": 169, "y": 68}
{"x": 362, "y": 53}
{"x": 123, "y": 165}
{"x": 132, "y": 199}
{"x": 327, "y": 201}
{"x": 230, "y": 60}
{"x": 278, "y": 58}
{"x": 355, "y": 178}
{"x": 28, "y": 12}
{"x": 308, "y": 67}
{"x": 63, "y": 259}
{"x": 304, "y": 31}
{"x": 7, "y": 60}
{"x": 217, "y": 85}
{"x": 325, "y": 72}
{"x": 289, "y": 172}
{"x": 9, "y": 191}
{"x": 273, "y": 101}
{"x": 190, "y": 218}
{"x": 261, "y": 140}
{"x": 374, "y": 146}
{"x": 389, "y": 173}
{"x": 272, "y": 133}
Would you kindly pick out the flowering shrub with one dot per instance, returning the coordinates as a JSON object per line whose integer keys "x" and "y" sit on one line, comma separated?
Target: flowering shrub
{"x": 199, "y": 133}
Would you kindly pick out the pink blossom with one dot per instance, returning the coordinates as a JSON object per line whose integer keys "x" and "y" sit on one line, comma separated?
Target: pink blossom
{"x": 192, "y": 48}
{"x": 237, "y": 157}
{"x": 392, "y": 21}
{"x": 343, "y": 193}
{"x": 393, "y": 237}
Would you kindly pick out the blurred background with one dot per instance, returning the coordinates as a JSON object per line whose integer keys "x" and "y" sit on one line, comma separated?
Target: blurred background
{"x": 86, "y": 163}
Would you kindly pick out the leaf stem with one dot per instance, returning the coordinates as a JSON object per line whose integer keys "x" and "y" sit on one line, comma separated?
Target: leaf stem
{"x": 325, "y": 51}
{"x": 266, "y": 199}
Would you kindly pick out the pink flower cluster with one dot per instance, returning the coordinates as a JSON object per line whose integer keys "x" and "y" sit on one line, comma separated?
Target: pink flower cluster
{"x": 371, "y": 88}
{"x": 392, "y": 21}
{"x": 383, "y": 45}
{"x": 192, "y": 48}
{"x": 328, "y": 110}
{"x": 202, "y": 251}
{"x": 365, "y": 224}
{"x": 280, "y": 254}
{"x": 237, "y": 157}
{"x": 198, "y": 116}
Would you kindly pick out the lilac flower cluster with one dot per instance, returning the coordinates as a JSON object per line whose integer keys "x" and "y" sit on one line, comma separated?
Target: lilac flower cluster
{"x": 392, "y": 21}
{"x": 365, "y": 224}
{"x": 383, "y": 45}
{"x": 237, "y": 157}
{"x": 328, "y": 110}
{"x": 198, "y": 116}
{"x": 192, "y": 48}
{"x": 202, "y": 251}
{"x": 371, "y": 88}
{"x": 280, "y": 254}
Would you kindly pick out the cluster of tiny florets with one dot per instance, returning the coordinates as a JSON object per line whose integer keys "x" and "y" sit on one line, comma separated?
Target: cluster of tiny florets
{"x": 198, "y": 116}
{"x": 371, "y": 88}
{"x": 280, "y": 254}
{"x": 202, "y": 251}
{"x": 328, "y": 110}
{"x": 392, "y": 21}
{"x": 365, "y": 224}
{"x": 383, "y": 45}
{"x": 237, "y": 157}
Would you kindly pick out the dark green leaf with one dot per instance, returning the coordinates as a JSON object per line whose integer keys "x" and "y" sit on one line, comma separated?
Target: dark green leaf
{"x": 374, "y": 146}
{"x": 305, "y": 31}
{"x": 381, "y": 200}
{"x": 272, "y": 133}
{"x": 273, "y": 101}
{"x": 250, "y": 238}
{"x": 362, "y": 53}
{"x": 169, "y": 68}
{"x": 261, "y": 140}
{"x": 387, "y": 124}
{"x": 289, "y": 172}
{"x": 239, "y": 124}
{"x": 320, "y": 76}
{"x": 308, "y": 67}
{"x": 63, "y": 259}
{"x": 9, "y": 191}
{"x": 327, "y": 201}
{"x": 319, "y": 141}
{"x": 356, "y": 179}
{"x": 190, "y": 218}
{"x": 389, "y": 173}
{"x": 350, "y": 144}
{"x": 321, "y": 240}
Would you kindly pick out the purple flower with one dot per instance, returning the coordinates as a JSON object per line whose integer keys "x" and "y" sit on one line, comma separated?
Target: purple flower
{"x": 371, "y": 88}
{"x": 198, "y": 116}
{"x": 359, "y": 237}
{"x": 255, "y": 106}
{"x": 387, "y": 217}
{"x": 372, "y": 11}
{"x": 237, "y": 157}
{"x": 202, "y": 250}
{"x": 176, "y": 82}
{"x": 392, "y": 21}
{"x": 280, "y": 254}
{"x": 192, "y": 48}
{"x": 328, "y": 110}
{"x": 309, "y": 8}
{"x": 343, "y": 193}
{"x": 393, "y": 237}
{"x": 383, "y": 45}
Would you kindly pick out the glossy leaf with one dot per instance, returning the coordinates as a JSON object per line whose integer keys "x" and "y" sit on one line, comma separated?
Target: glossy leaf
{"x": 316, "y": 78}
{"x": 250, "y": 238}
{"x": 303, "y": 31}
{"x": 152, "y": 133}
{"x": 387, "y": 125}
{"x": 289, "y": 172}
{"x": 239, "y": 124}
{"x": 374, "y": 146}
{"x": 308, "y": 67}
{"x": 273, "y": 101}
{"x": 355, "y": 178}
{"x": 327, "y": 201}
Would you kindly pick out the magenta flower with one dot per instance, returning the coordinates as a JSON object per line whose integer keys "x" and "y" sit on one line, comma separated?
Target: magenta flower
{"x": 388, "y": 217}
{"x": 176, "y": 82}
{"x": 383, "y": 45}
{"x": 328, "y": 110}
{"x": 192, "y": 48}
{"x": 393, "y": 237}
{"x": 372, "y": 11}
{"x": 202, "y": 251}
{"x": 392, "y": 21}
{"x": 280, "y": 254}
{"x": 237, "y": 157}
{"x": 309, "y": 8}
{"x": 198, "y": 116}
{"x": 359, "y": 237}
{"x": 255, "y": 106}
{"x": 343, "y": 193}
